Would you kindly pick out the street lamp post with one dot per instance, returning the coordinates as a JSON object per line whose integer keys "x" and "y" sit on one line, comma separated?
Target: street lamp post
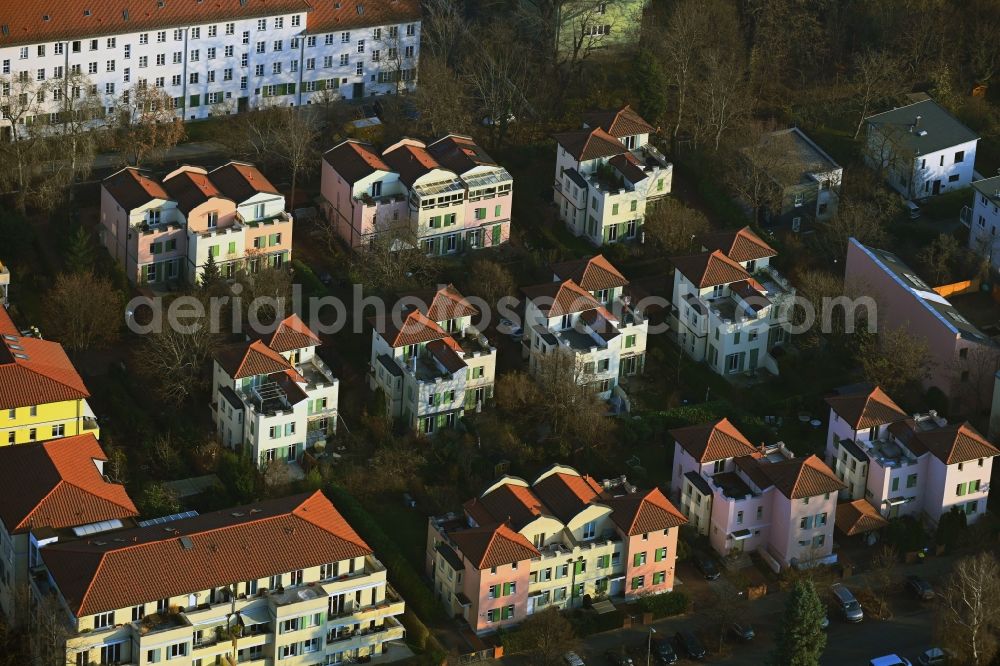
{"x": 649, "y": 645}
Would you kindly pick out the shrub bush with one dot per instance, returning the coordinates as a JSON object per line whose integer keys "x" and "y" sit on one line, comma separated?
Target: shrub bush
{"x": 665, "y": 604}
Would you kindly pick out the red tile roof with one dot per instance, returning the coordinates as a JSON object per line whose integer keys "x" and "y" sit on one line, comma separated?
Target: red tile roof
{"x": 641, "y": 513}
{"x": 554, "y": 299}
{"x": 36, "y": 372}
{"x": 330, "y": 16}
{"x": 459, "y": 153}
{"x": 251, "y": 360}
{"x": 743, "y": 245}
{"x": 567, "y": 494}
{"x": 713, "y": 441}
{"x": 292, "y": 333}
{"x": 446, "y": 354}
{"x": 709, "y": 269}
{"x": 493, "y": 546}
{"x": 415, "y": 328}
{"x": 621, "y": 123}
{"x": 354, "y": 160}
{"x": 240, "y": 181}
{"x": 36, "y": 21}
{"x": 64, "y": 488}
{"x": 6, "y": 323}
{"x": 132, "y": 188}
{"x": 444, "y": 303}
{"x": 121, "y": 569}
{"x": 190, "y": 188}
{"x": 956, "y": 443}
{"x": 797, "y": 478}
{"x": 510, "y": 503}
{"x": 410, "y": 159}
{"x": 590, "y": 144}
{"x": 866, "y": 410}
{"x": 858, "y": 517}
{"x": 593, "y": 274}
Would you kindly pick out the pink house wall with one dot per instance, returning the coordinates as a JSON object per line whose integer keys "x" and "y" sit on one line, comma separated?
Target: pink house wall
{"x": 785, "y": 530}
{"x": 477, "y": 588}
{"x": 143, "y": 245}
{"x": 197, "y": 218}
{"x": 265, "y": 230}
{"x": 724, "y": 516}
{"x": 490, "y": 205}
{"x": 649, "y": 545}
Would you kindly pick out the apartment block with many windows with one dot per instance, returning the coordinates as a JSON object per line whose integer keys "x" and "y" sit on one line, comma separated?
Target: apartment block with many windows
{"x": 163, "y": 232}
{"x": 983, "y": 219}
{"x": 446, "y": 197}
{"x": 211, "y": 59}
{"x": 607, "y": 174}
{"x": 521, "y": 548}
{"x": 429, "y": 362}
{"x": 274, "y": 397}
{"x": 283, "y": 581}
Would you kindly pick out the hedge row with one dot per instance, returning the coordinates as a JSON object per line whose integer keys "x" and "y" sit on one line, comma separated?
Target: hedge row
{"x": 666, "y": 604}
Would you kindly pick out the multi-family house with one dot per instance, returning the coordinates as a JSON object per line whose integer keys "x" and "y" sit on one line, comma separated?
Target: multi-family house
{"x": 607, "y": 174}
{"x": 164, "y": 232}
{"x": 963, "y": 359}
{"x": 754, "y": 499}
{"x": 583, "y": 27}
{"x": 41, "y": 394}
{"x": 429, "y": 362}
{"x": 282, "y": 581}
{"x": 983, "y": 219}
{"x": 730, "y": 307}
{"x": 447, "y": 196}
{"x": 922, "y": 149}
{"x": 45, "y": 487}
{"x": 209, "y": 59}
{"x": 521, "y": 548}
{"x": 274, "y": 397}
{"x": 807, "y": 177}
{"x": 600, "y": 331}
{"x": 902, "y": 465}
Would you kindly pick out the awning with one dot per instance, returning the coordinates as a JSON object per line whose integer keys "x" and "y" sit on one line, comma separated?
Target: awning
{"x": 896, "y": 501}
{"x": 740, "y": 535}
{"x": 255, "y": 615}
{"x": 462, "y": 599}
{"x": 603, "y": 606}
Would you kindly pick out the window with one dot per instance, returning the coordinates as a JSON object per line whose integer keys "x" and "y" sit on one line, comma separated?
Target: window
{"x": 959, "y": 157}
{"x": 971, "y": 507}
{"x": 806, "y": 522}
{"x": 59, "y": 430}
{"x": 660, "y": 554}
{"x": 278, "y": 45}
{"x": 210, "y": 53}
{"x": 161, "y": 58}
{"x": 961, "y": 489}
{"x": 178, "y": 57}
{"x": 276, "y": 68}
{"x": 213, "y": 219}
{"x": 228, "y": 52}
{"x": 261, "y": 46}
{"x": 895, "y": 484}
{"x": 109, "y": 88}
{"x": 639, "y": 559}
{"x": 262, "y": 24}
{"x": 911, "y": 481}
{"x": 138, "y": 612}
{"x": 590, "y": 530}
{"x": 296, "y": 21}
{"x": 176, "y": 650}
{"x": 820, "y": 520}
{"x": 193, "y": 79}
{"x": 102, "y": 620}
{"x": 360, "y": 69}
{"x": 638, "y": 582}
{"x": 344, "y": 60}
{"x": 161, "y": 36}
{"x": 311, "y": 63}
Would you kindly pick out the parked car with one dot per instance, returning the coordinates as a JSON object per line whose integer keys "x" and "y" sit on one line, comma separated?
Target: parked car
{"x": 572, "y": 659}
{"x": 663, "y": 652}
{"x": 689, "y": 645}
{"x": 920, "y": 587}
{"x": 847, "y": 602}
{"x": 706, "y": 565}
{"x": 618, "y": 658}
{"x": 934, "y": 657}
{"x": 743, "y": 631}
{"x": 890, "y": 660}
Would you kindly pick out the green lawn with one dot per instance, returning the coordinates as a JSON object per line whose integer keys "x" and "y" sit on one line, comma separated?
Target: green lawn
{"x": 407, "y": 527}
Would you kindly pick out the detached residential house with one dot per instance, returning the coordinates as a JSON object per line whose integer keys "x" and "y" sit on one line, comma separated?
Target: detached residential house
{"x": 447, "y": 196}
{"x": 581, "y": 25}
{"x": 730, "y": 307}
{"x": 47, "y": 488}
{"x": 429, "y": 361}
{"x": 983, "y": 219}
{"x": 964, "y": 359}
{"x": 754, "y": 499}
{"x": 922, "y": 149}
{"x": 522, "y": 548}
{"x": 274, "y": 397}
{"x": 604, "y": 335}
{"x": 606, "y": 175}
{"x": 281, "y": 581}
{"x": 809, "y": 179}
{"x": 917, "y": 466}
{"x": 163, "y": 232}
{"x": 41, "y": 394}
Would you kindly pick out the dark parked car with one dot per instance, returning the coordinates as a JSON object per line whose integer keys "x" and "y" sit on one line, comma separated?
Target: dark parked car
{"x": 706, "y": 565}
{"x": 689, "y": 645}
{"x": 920, "y": 587}
{"x": 663, "y": 652}
{"x": 742, "y": 631}
{"x": 618, "y": 658}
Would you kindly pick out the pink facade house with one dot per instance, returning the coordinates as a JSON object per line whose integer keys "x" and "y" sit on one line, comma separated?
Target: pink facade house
{"x": 754, "y": 499}
{"x": 902, "y": 465}
{"x": 964, "y": 359}
{"x": 444, "y": 197}
{"x": 520, "y": 548}
{"x": 164, "y": 231}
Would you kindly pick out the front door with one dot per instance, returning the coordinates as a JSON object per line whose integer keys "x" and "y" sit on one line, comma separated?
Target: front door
{"x": 753, "y": 358}
{"x": 242, "y": 104}
{"x": 531, "y": 605}
{"x": 936, "y": 189}
{"x": 358, "y": 91}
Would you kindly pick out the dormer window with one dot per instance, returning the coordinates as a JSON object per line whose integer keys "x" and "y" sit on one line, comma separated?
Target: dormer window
{"x": 213, "y": 219}
{"x": 258, "y": 211}
{"x": 377, "y": 189}
{"x": 567, "y": 321}
{"x": 152, "y": 217}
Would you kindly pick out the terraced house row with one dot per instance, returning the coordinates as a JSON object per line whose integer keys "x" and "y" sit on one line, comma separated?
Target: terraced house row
{"x": 207, "y": 58}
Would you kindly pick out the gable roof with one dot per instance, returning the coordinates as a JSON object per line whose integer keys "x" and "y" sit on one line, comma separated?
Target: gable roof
{"x": 329, "y": 16}
{"x": 621, "y": 123}
{"x": 36, "y": 372}
{"x": 639, "y": 513}
{"x": 410, "y": 159}
{"x": 459, "y": 153}
{"x": 956, "y": 443}
{"x": 866, "y": 410}
{"x": 251, "y": 360}
{"x": 590, "y": 144}
{"x": 858, "y": 517}
{"x": 797, "y": 478}
{"x": 125, "y": 568}
{"x": 132, "y": 188}
{"x": 593, "y": 274}
{"x": 444, "y": 303}
{"x": 493, "y": 546}
{"x": 354, "y": 160}
{"x": 555, "y": 299}
{"x": 709, "y": 269}
{"x": 510, "y": 503}
{"x": 240, "y": 181}
{"x": 64, "y": 488}
{"x": 743, "y": 245}
{"x": 713, "y": 441}
{"x": 415, "y": 328}
{"x": 292, "y": 333}
{"x": 567, "y": 494}
{"x": 190, "y": 188}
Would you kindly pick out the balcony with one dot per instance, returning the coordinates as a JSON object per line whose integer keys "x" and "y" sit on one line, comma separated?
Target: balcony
{"x": 277, "y": 218}
{"x": 160, "y": 622}
{"x": 390, "y": 629}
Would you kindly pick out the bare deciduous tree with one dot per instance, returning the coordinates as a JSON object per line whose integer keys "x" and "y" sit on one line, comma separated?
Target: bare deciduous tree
{"x": 893, "y": 358}
{"x": 392, "y": 259}
{"x": 969, "y": 616}
{"x": 176, "y": 360}
{"x": 876, "y": 81}
{"x": 671, "y": 227}
{"x": 764, "y": 168}
{"x": 441, "y": 98}
{"x": 144, "y": 124}
{"x": 499, "y": 76}
{"x": 84, "y": 311}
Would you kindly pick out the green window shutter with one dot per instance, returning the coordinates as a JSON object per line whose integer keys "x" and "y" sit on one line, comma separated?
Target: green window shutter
{"x": 614, "y": 209}
{"x": 291, "y": 88}
{"x": 497, "y": 210}
{"x": 578, "y": 567}
{"x": 232, "y": 247}
{"x": 214, "y": 250}
{"x": 658, "y": 554}
{"x": 195, "y": 100}
{"x": 506, "y": 589}
{"x": 637, "y": 560}
{"x": 496, "y": 235}
{"x": 154, "y": 248}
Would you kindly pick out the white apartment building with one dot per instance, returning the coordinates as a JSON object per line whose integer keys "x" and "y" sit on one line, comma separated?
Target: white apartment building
{"x": 923, "y": 149}
{"x": 275, "y": 398}
{"x": 983, "y": 219}
{"x": 917, "y": 466}
{"x": 730, "y": 307}
{"x": 606, "y": 174}
{"x": 605, "y": 336}
{"x": 429, "y": 362}
{"x": 211, "y": 58}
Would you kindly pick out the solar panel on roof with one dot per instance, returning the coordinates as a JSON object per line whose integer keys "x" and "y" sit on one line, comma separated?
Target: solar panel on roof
{"x": 94, "y": 528}
{"x": 167, "y": 519}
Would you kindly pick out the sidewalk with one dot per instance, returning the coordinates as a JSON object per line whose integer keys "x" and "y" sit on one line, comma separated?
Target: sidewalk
{"x": 179, "y": 153}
